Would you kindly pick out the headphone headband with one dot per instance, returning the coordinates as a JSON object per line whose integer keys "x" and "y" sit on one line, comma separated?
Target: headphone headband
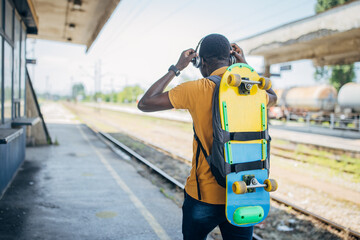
{"x": 197, "y": 60}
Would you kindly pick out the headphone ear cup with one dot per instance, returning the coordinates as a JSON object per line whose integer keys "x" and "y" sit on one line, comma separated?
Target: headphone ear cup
{"x": 196, "y": 61}
{"x": 232, "y": 59}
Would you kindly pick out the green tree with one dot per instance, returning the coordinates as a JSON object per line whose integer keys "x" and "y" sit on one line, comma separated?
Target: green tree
{"x": 322, "y": 73}
{"x": 340, "y": 74}
{"x": 323, "y": 5}
{"x": 78, "y": 89}
{"x": 129, "y": 94}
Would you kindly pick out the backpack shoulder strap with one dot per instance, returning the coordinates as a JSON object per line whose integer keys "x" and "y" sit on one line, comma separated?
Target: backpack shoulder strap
{"x": 215, "y": 78}
{"x": 199, "y": 146}
{"x": 199, "y": 143}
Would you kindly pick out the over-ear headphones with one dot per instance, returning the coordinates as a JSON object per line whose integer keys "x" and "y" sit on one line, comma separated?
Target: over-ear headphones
{"x": 196, "y": 61}
{"x": 232, "y": 59}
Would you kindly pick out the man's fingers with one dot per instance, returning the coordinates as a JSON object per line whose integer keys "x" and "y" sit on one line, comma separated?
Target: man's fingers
{"x": 189, "y": 51}
{"x": 189, "y": 55}
{"x": 237, "y": 55}
{"x": 237, "y": 48}
{"x": 240, "y": 58}
{"x": 234, "y": 45}
{"x": 192, "y": 55}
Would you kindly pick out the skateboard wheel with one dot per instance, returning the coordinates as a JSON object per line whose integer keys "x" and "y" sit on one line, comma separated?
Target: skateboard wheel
{"x": 239, "y": 187}
{"x": 271, "y": 185}
{"x": 234, "y": 80}
{"x": 265, "y": 83}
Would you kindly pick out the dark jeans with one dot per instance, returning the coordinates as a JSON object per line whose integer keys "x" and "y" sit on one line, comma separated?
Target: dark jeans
{"x": 201, "y": 218}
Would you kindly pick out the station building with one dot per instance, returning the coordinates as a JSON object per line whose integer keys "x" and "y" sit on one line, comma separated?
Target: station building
{"x": 21, "y": 121}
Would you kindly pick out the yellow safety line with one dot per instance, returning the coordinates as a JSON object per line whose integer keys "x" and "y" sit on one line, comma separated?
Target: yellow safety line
{"x": 160, "y": 232}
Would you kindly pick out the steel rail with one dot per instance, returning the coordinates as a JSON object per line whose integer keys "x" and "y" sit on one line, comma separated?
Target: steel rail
{"x": 133, "y": 154}
{"x": 318, "y": 217}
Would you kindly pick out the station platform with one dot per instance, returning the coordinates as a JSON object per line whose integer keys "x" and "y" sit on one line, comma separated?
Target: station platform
{"x": 80, "y": 189}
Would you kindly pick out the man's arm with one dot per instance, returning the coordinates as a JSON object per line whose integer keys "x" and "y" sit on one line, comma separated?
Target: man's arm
{"x": 155, "y": 99}
{"x": 272, "y": 97}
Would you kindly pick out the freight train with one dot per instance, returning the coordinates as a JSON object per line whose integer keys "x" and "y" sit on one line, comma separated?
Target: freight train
{"x": 320, "y": 104}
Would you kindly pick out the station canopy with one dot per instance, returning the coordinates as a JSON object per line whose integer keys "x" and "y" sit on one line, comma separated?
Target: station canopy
{"x": 73, "y": 21}
{"x": 328, "y": 38}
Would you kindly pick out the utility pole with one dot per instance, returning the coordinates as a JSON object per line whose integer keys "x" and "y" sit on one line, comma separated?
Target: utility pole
{"x": 71, "y": 87}
{"x": 95, "y": 82}
{"x": 100, "y": 76}
{"x": 47, "y": 85}
{"x": 97, "y": 77}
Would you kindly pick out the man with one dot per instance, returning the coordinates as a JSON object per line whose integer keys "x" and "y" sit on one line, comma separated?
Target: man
{"x": 204, "y": 204}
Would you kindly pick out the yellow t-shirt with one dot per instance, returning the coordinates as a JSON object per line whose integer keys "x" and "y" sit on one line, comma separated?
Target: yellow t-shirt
{"x": 196, "y": 96}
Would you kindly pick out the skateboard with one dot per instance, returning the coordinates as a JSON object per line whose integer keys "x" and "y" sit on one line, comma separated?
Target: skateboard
{"x": 242, "y": 100}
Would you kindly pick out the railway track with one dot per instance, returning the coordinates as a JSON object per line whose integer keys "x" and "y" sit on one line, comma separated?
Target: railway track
{"x": 179, "y": 185}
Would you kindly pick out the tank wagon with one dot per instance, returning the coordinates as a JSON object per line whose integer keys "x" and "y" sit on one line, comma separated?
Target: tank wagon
{"x": 349, "y": 97}
{"x": 299, "y": 101}
{"x": 320, "y": 104}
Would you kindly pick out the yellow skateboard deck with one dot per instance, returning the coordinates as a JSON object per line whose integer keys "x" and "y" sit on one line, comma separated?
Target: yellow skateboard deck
{"x": 242, "y": 105}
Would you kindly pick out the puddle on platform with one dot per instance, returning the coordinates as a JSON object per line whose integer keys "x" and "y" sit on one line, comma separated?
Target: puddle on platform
{"x": 87, "y": 174}
{"x": 106, "y": 214}
{"x": 72, "y": 154}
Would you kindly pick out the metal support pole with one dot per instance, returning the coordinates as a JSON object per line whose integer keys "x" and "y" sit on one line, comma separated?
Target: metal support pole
{"x": 266, "y": 68}
{"x": 332, "y": 120}
{"x": 308, "y": 119}
{"x": 287, "y": 116}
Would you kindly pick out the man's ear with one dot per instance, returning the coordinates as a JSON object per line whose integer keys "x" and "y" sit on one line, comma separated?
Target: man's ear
{"x": 204, "y": 68}
{"x": 204, "y": 64}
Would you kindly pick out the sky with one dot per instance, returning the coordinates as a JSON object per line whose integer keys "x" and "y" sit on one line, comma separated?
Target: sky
{"x": 144, "y": 37}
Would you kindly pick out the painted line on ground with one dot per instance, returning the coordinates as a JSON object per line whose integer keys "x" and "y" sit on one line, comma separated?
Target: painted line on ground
{"x": 160, "y": 232}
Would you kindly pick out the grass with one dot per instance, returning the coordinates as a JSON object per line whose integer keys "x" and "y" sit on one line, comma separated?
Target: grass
{"x": 280, "y": 142}
{"x": 326, "y": 124}
{"x": 56, "y": 142}
{"x": 162, "y": 190}
{"x": 337, "y": 163}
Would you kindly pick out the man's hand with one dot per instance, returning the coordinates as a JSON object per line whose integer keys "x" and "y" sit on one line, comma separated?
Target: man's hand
{"x": 185, "y": 58}
{"x": 238, "y": 53}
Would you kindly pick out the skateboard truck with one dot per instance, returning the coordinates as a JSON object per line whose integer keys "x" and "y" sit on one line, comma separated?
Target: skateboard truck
{"x": 254, "y": 183}
{"x": 250, "y": 184}
{"x": 235, "y": 80}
